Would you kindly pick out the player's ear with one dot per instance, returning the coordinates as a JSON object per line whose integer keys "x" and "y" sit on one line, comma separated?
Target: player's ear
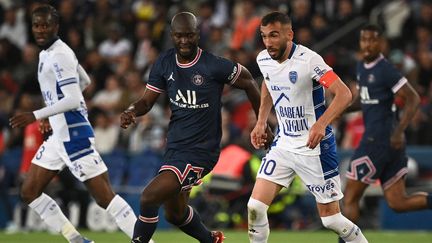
{"x": 290, "y": 34}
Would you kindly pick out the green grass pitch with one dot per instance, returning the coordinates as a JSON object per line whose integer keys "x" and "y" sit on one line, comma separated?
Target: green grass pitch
{"x": 172, "y": 236}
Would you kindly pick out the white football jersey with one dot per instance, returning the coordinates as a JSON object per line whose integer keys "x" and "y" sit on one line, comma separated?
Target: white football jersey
{"x": 298, "y": 97}
{"x": 58, "y": 66}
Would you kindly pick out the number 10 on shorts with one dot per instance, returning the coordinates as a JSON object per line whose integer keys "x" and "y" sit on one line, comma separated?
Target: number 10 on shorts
{"x": 267, "y": 166}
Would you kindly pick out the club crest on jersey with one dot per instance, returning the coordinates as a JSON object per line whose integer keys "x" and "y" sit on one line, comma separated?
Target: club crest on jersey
{"x": 197, "y": 79}
{"x": 371, "y": 78}
{"x": 293, "y": 77}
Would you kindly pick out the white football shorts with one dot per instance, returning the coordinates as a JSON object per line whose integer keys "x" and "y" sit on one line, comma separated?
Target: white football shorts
{"x": 80, "y": 156}
{"x": 319, "y": 173}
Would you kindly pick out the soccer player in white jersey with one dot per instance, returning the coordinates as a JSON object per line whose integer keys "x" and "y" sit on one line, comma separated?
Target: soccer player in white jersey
{"x": 294, "y": 82}
{"x": 71, "y": 144}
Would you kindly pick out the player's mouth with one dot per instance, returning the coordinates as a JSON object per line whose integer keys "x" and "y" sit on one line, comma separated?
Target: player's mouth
{"x": 272, "y": 52}
{"x": 366, "y": 53}
{"x": 40, "y": 39}
{"x": 185, "y": 48}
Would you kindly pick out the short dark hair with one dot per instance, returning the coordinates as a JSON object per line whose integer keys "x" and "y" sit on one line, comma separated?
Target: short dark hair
{"x": 372, "y": 27}
{"x": 46, "y": 9}
{"x": 275, "y": 17}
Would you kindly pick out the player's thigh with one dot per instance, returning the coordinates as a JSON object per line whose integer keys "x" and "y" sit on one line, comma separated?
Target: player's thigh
{"x": 162, "y": 188}
{"x": 320, "y": 175}
{"x": 45, "y": 165}
{"x": 265, "y": 191}
{"x": 274, "y": 173}
{"x": 35, "y": 182}
{"x": 353, "y": 191}
{"x": 100, "y": 189}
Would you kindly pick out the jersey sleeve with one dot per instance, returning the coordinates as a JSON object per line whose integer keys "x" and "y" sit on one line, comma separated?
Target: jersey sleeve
{"x": 224, "y": 70}
{"x": 156, "y": 81}
{"x": 321, "y": 72}
{"x": 65, "y": 68}
{"x": 394, "y": 79}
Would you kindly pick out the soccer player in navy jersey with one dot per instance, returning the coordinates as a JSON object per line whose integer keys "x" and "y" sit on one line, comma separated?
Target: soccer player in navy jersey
{"x": 381, "y": 153}
{"x": 193, "y": 80}
{"x": 61, "y": 80}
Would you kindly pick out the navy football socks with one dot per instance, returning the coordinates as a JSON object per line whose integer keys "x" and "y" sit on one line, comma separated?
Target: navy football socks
{"x": 146, "y": 224}
{"x": 193, "y": 226}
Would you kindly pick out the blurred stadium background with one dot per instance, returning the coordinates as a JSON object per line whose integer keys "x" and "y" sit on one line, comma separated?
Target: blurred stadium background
{"x": 117, "y": 42}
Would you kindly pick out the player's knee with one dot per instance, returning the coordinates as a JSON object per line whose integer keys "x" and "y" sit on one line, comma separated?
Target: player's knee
{"x": 29, "y": 194}
{"x": 397, "y": 205}
{"x": 148, "y": 199}
{"x": 256, "y": 209}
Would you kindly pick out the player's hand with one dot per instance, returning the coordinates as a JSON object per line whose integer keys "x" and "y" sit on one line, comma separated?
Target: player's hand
{"x": 44, "y": 126}
{"x": 22, "y": 119}
{"x": 397, "y": 140}
{"x": 127, "y": 117}
{"x": 316, "y": 134}
{"x": 259, "y": 136}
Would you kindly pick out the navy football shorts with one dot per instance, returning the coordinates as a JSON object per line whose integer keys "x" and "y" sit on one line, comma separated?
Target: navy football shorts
{"x": 373, "y": 161}
{"x": 189, "y": 172}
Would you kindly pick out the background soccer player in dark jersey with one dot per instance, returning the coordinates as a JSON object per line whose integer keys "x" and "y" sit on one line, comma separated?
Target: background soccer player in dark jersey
{"x": 381, "y": 154}
{"x": 193, "y": 80}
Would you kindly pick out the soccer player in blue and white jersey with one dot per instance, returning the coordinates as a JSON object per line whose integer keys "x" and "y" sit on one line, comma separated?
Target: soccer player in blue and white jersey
{"x": 193, "y": 80}
{"x": 71, "y": 144}
{"x": 381, "y": 153}
{"x": 294, "y": 82}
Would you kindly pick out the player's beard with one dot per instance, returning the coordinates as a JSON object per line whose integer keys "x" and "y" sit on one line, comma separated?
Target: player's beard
{"x": 370, "y": 57}
{"x": 281, "y": 52}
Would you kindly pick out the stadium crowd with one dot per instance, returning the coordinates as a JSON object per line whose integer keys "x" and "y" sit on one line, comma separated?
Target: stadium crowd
{"x": 117, "y": 43}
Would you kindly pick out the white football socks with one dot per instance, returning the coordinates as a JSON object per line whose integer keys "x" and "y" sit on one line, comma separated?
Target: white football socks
{"x": 52, "y": 215}
{"x": 258, "y": 225}
{"x": 123, "y": 215}
{"x": 346, "y": 229}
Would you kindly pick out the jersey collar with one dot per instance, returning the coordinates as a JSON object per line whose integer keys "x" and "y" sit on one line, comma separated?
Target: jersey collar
{"x": 372, "y": 64}
{"x": 293, "y": 47}
{"x": 190, "y": 64}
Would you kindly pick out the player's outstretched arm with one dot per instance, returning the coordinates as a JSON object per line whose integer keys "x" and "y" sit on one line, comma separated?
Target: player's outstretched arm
{"x": 342, "y": 98}
{"x": 69, "y": 102}
{"x": 138, "y": 108}
{"x": 411, "y": 102}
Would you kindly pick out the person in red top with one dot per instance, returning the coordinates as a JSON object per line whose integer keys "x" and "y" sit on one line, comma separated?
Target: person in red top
{"x": 33, "y": 138}
{"x": 245, "y": 27}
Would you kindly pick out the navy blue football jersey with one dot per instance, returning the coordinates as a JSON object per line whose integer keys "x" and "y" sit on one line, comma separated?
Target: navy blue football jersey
{"x": 194, "y": 91}
{"x": 378, "y": 82}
